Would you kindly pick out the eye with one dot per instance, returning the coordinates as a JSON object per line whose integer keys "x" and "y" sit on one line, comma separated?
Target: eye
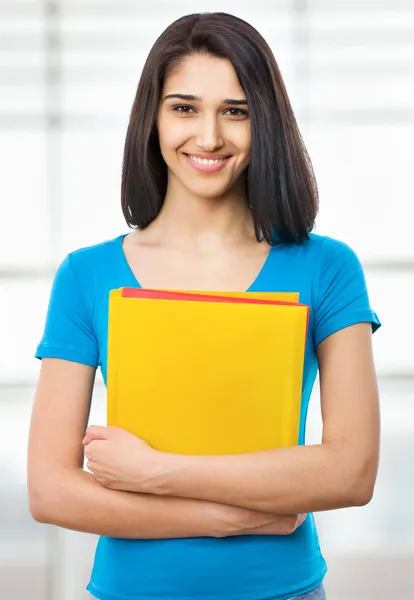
{"x": 240, "y": 112}
{"x": 182, "y": 106}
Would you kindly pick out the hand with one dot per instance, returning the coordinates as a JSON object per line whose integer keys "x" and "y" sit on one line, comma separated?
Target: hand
{"x": 243, "y": 521}
{"x": 280, "y": 525}
{"x": 120, "y": 460}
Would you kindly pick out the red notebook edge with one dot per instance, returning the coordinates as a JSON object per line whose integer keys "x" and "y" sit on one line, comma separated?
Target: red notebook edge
{"x": 148, "y": 293}
{"x": 173, "y": 295}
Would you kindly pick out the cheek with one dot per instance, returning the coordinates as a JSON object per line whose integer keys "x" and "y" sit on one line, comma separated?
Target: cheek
{"x": 239, "y": 138}
{"x": 171, "y": 136}
{"x": 245, "y": 141}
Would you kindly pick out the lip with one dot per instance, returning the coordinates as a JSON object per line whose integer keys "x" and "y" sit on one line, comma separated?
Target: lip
{"x": 207, "y": 168}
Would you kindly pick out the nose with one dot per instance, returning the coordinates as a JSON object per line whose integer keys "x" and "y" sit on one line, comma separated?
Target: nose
{"x": 209, "y": 135}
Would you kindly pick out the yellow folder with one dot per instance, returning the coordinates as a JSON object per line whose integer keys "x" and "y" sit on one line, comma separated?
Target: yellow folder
{"x": 207, "y": 377}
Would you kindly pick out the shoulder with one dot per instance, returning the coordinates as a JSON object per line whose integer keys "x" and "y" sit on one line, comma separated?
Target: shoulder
{"x": 85, "y": 270}
{"x": 321, "y": 253}
{"x": 93, "y": 263}
{"x": 328, "y": 245}
{"x": 317, "y": 247}
{"x": 92, "y": 256}
{"x": 333, "y": 254}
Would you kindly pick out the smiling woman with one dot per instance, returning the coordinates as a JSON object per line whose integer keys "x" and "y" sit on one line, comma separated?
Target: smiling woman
{"x": 220, "y": 192}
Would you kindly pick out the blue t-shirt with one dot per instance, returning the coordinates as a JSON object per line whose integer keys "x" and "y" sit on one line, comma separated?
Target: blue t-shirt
{"x": 329, "y": 277}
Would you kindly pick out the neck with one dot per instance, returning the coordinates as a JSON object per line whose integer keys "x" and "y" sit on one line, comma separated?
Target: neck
{"x": 200, "y": 223}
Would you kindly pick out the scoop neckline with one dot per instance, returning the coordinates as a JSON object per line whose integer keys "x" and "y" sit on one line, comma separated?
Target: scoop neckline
{"x": 130, "y": 274}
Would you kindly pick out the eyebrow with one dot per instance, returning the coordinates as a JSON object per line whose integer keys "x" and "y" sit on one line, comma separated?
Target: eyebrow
{"x": 191, "y": 98}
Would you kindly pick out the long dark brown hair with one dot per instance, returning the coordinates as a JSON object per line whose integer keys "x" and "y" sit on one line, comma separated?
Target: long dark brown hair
{"x": 280, "y": 183}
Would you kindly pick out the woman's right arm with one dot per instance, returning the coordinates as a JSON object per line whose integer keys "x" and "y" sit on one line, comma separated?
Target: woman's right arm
{"x": 62, "y": 493}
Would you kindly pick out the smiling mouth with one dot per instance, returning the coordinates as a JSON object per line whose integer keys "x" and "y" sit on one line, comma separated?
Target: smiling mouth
{"x": 207, "y": 161}
{"x": 206, "y": 166}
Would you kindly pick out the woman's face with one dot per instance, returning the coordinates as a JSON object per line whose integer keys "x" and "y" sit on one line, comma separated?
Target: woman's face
{"x": 211, "y": 126}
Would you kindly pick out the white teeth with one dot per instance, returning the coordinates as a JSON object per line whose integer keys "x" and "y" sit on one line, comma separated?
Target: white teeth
{"x": 205, "y": 161}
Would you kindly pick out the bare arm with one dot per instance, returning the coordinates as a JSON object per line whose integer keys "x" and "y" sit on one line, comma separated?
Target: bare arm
{"x": 338, "y": 473}
{"x": 61, "y": 493}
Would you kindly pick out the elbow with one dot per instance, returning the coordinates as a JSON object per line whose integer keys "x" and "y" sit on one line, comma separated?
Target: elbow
{"x": 355, "y": 475}
{"x": 362, "y": 494}
{"x": 40, "y": 516}
{"x": 363, "y": 485}
{"x": 39, "y": 506}
{"x": 38, "y": 509}
{"x": 49, "y": 496}
{"x": 42, "y": 500}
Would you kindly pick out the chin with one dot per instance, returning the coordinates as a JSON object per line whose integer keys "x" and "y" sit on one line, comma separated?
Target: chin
{"x": 209, "y": 191}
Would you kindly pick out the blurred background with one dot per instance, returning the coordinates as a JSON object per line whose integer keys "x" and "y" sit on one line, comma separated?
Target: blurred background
{"x": 68, "y": 75}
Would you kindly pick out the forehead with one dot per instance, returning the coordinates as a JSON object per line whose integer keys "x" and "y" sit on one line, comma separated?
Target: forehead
{"x": 206, "y": 76}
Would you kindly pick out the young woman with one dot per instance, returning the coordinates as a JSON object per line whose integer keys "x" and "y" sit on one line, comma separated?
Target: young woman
{"x": 220, "y": 193}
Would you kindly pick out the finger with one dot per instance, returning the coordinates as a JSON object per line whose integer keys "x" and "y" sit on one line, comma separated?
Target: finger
{"x": 88, "y": 452}
{"x": 301, "y": 519}
{"x": 93, "y": 449}
{"x": 91, "y": 466}
{"x": 95, "y": 432}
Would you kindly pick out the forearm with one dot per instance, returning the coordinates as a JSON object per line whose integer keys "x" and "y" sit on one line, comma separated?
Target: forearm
{"x": 75, "y": 500}
{"x": 297, "y": 479}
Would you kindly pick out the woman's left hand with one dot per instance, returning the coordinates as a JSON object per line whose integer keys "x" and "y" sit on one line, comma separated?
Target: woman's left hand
{"x": 120, "y": 460}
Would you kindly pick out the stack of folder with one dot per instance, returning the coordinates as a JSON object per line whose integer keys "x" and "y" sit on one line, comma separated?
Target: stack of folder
{"x": 206, "y": 372}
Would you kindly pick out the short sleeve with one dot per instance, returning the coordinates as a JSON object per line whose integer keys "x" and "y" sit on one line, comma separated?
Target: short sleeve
{"x": 68, "y": 331}
{"x": 341, "y": 292}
